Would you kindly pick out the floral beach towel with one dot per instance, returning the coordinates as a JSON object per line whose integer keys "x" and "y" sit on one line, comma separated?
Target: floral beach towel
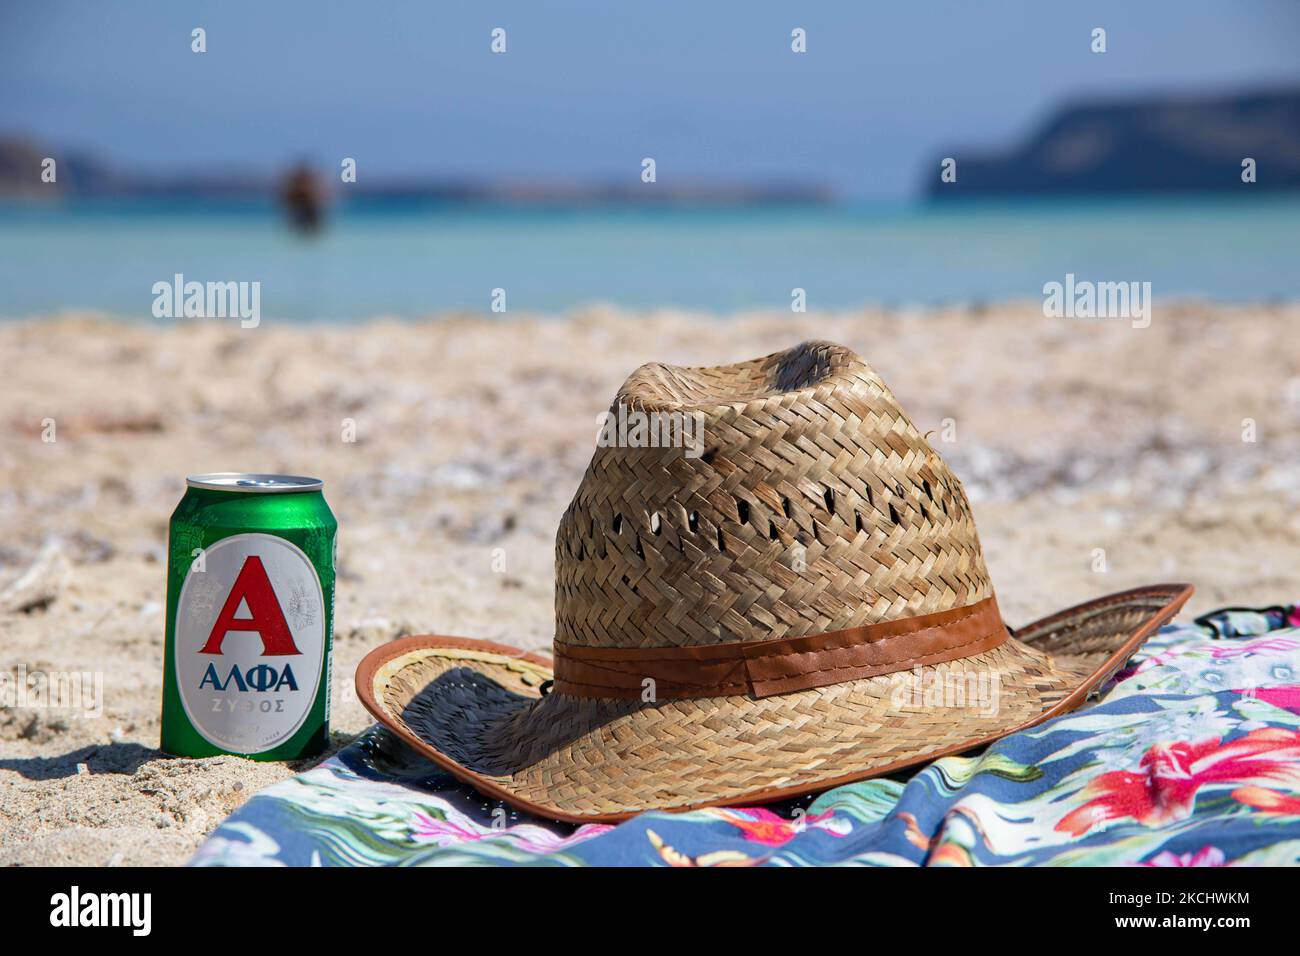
{"x": 1191, "y": 759}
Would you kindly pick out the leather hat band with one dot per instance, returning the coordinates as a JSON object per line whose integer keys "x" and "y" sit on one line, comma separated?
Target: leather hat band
{"x": 767, "y": 668}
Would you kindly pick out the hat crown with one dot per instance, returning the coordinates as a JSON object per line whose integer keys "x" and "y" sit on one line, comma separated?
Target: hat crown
{"x": 781, "y": 497}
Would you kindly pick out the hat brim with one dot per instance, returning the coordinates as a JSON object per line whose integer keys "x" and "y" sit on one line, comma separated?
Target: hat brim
{"x": 476, "y": 708}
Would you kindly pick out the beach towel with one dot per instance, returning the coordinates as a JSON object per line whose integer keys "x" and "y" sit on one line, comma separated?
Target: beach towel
{"x": 1190, "y": 758}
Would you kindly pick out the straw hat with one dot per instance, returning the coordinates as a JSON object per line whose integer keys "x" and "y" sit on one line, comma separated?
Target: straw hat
{"x": 794, "y": 600}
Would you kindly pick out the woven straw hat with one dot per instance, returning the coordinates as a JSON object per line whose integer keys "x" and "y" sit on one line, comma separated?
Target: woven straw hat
{"x": 764, "y": 614}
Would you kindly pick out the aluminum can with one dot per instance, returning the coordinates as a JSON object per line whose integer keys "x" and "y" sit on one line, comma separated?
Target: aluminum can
{"x": 250, "y": 618}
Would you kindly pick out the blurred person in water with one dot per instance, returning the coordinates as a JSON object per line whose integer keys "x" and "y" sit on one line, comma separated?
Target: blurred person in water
{"x": 303, "y": 195}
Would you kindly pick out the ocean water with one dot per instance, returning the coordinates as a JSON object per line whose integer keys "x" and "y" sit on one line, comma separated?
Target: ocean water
{"x": 417, "y": 259}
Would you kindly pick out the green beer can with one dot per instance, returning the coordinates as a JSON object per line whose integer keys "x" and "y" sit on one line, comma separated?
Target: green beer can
{"x": 250, "y": 618}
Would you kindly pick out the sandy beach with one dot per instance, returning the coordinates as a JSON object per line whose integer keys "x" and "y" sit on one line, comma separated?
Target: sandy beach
{"x": 1073, "y": 438}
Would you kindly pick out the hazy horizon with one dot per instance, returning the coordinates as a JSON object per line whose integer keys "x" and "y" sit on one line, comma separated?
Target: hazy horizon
{"x": 584, "y": 92}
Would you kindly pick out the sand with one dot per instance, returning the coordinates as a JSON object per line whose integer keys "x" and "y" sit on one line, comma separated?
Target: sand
{"x": 1070, "y": 435}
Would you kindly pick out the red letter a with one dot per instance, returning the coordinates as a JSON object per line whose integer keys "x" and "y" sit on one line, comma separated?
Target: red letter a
{"x": 253, "y": 587}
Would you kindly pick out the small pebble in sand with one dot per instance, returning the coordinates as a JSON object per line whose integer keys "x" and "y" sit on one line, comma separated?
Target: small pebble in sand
{"x": 37, "y": 587}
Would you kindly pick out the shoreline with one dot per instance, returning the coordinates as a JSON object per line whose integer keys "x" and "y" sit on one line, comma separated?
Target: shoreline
{"x": 1176, "y": 306}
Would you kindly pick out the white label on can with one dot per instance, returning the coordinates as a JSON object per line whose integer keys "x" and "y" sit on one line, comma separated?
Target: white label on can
{"x": 250, "y": 642}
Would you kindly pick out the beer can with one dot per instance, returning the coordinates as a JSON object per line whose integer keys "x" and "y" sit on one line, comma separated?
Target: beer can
{"x": 250, "y": 618}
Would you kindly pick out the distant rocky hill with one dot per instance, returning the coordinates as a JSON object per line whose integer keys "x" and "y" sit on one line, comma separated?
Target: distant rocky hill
{"x": 21, "y": 165}
{"x": 1156, "y": 145}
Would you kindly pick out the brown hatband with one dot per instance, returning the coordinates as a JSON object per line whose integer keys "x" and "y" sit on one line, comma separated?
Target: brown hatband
{"x": 767, "y": 668}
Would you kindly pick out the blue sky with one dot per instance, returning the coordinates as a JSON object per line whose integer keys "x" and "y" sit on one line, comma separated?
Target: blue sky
{"x": 587, "y": 89}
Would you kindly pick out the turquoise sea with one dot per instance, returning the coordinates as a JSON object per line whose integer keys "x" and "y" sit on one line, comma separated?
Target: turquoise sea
{"x": 414, "y": 259}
